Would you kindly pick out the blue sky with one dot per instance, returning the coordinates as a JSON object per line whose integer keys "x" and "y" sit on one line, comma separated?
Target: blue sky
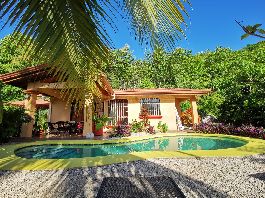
{"x": 211, "y": 24}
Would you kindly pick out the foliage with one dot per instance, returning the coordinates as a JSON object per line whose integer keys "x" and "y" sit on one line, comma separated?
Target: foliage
{"x": 41, "y": 119}
{"x": 121, "y": 131}
{"x": 253, "y": 30}
{"x": 144, "y": 116}
{"x": 219, "y": 128}
{"x": 71, "y": 35}
{"x": 162, "y": 127}
{"x": 101, "y": 121}
{"x": 235, "y": 77}
{"x": 12, "y": 59}
{"x": 186, "y": 117}
{"x": 136, "y": 127}
{"x": 13, "y": 117}
{"x": 150, "y": 130}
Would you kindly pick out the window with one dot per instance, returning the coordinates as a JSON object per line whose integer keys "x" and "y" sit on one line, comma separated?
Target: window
{"x": 118, "y": 111}
{"x": 152, "y": 105}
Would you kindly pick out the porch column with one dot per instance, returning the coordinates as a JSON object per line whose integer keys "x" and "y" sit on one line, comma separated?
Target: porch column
{"x": 87, "y": 117}
{"x": 194, "y": 111}
{"x": 30, "y": 107}
{"x": 177, "y": 105}
{"x": 178, "y": 117}
{"x": 106, "y": 108}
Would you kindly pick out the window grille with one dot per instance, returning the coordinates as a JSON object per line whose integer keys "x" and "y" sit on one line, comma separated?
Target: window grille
{"x": 152, "y": 105}
{"x": 118, "y": 112}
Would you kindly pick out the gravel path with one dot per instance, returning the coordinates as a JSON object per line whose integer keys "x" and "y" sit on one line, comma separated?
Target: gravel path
{"x": 196, "y": 177}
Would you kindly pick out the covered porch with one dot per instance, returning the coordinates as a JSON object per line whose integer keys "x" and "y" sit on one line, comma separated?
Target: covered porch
{"x": 38, "y": 81}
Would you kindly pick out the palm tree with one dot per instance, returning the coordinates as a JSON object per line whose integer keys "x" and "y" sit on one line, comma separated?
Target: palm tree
{"x": 70, "y": 36}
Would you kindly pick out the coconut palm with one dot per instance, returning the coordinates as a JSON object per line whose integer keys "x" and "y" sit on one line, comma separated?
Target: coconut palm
{"x": 70, "y": 36}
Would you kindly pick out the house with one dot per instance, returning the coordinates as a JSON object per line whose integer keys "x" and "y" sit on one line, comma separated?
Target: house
{"x": 122, "y": 106}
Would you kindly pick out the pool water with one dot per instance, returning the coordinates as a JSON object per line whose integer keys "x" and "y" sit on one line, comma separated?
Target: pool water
{"x": 161, "y": 144}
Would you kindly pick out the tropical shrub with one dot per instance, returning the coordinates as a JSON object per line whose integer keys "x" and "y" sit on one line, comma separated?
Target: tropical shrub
{"x": 186, "y": 117}
{"x": 100, "y": 121}
{"x": 144, "y": 116}
{"x": 121, "y": 131}
{"x": 13, "y": 117}
{"x": 150, "y": 129}
{"x": 162, "y": 127}
{"x": 219, "y": 128}
{"x": 136, "y": 126}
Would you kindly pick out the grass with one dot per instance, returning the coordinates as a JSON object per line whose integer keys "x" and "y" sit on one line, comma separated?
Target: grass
{"x": 9, "y": 161}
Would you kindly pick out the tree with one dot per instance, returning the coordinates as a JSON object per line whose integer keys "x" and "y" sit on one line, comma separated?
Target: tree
{"x": 237, "y": 78}
{"x": 12, "y": 59}
{"x": 70, "y": 35}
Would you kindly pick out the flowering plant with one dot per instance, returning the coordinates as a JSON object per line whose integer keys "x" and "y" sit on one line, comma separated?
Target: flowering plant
{"x": 121, "y": 131}
{"x": 220, "y": 128}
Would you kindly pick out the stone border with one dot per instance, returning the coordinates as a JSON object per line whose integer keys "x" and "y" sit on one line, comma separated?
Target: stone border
{"x": 9, "y": 161}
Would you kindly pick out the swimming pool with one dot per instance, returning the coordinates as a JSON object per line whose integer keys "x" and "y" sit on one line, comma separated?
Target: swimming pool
{"x": 67, "y": 151}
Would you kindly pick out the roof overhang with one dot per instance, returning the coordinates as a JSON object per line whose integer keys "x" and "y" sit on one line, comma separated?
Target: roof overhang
{"x": 42, "y": 73}
{"x": 162, "y": 91}
{"x": 40, "y": 103}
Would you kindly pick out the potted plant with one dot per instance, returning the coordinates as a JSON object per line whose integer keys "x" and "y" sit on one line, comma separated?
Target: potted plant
{"x": 99, "y": 123}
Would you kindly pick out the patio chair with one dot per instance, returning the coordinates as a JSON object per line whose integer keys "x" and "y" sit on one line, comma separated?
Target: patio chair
{"x": 62, "y": 127}
{"x": 52, "y": 128}
{"x": 72, "y": 127}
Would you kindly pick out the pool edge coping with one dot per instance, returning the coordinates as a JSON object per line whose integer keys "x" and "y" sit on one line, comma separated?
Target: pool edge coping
{"x": 9, "y": 161}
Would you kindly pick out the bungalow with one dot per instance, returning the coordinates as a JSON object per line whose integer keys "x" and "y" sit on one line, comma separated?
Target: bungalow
{"x": 122, "y": 106}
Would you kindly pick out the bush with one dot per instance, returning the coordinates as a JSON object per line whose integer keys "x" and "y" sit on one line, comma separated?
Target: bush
{"x": 219, "y": 128}
{"x": 186, "y": 117}
{"x": 13, "y": 117}
{"x": 150, "y": 130}
{"x": 121, "y": 131}
{"x": 136, "y": 127}
{"x": 162, "y": 127}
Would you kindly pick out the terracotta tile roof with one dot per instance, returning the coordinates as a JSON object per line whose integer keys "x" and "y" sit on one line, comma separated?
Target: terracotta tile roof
{"x": 22, "y": 77}
{"x": 41, "y": 73}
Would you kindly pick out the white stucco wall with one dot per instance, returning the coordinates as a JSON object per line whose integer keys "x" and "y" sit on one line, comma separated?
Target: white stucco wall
{"x": 59, "y": 110}
{"x": 167, "y": 107}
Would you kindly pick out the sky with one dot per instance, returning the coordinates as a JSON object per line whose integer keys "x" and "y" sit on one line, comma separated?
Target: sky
{"x": 211, "y": 24}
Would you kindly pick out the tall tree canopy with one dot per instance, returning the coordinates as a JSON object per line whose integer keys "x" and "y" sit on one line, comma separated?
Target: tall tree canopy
{"x": 69, "y": 35}
{"x": 237, "y": 78}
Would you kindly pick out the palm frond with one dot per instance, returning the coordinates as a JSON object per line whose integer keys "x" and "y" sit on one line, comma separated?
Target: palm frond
{"x": 158, "y": 22}
{"x": 69, "y": 35}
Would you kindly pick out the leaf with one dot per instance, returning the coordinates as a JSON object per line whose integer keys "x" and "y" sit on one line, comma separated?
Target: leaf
{"x": 256, "y": 26}
{"x": 71, "y": 35}
{"x": 261, "y": 31}
{"x": 244, "y": 36}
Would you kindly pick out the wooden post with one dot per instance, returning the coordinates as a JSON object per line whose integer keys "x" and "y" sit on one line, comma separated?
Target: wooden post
{"x": 30, "y": 107}
{"x": 195, "y": 115}
{"x": 88, "y": 127}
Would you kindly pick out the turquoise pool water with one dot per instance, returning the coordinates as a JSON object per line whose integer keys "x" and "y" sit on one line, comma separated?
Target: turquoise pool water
{"x": 161, "y": 144}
